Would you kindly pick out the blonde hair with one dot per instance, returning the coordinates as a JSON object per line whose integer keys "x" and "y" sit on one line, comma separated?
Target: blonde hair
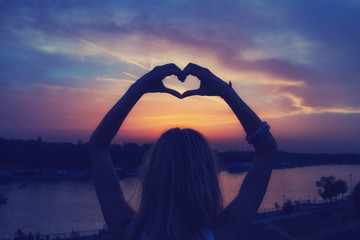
{"x": 180, "y": 189}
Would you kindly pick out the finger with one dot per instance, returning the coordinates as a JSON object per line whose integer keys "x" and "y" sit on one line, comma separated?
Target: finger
{"x": 172, "y": 71}
{"x": 177, "y": 71}
{"x": 177, "y": 68}
{"x": 194, "y": 68}
{"x": 172, "y": 92}
{"x": 167, "y": 66}
{"x": 190, "y": 70}
{"x": 193, "y": 65}
{"x": 162, "y": 68}
{"x": 169, "y": 69}
{"x": 190, "y": 93}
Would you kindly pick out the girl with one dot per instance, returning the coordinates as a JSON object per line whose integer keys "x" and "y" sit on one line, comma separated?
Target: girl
{"x": 180, "y": 196}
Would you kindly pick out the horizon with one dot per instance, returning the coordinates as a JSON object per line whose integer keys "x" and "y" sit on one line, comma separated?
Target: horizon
{"x": 149, "y": 142}
{"x": 64, "y": 65}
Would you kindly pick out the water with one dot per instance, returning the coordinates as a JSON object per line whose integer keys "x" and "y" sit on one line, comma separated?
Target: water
{"x": 56, "y": 206}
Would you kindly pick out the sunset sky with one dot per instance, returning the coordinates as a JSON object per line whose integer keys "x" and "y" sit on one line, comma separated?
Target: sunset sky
{"x": 63, "y": 64}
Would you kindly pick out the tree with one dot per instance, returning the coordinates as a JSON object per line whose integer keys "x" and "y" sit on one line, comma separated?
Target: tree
{"x": 331, "y": 188}
{"x": 341, "y": 187}
{"x": 356, "y": 198}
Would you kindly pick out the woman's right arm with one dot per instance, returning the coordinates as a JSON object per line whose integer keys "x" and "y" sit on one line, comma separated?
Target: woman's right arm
{"x": 116, "y": 210}
{"x": 236, "y": 218}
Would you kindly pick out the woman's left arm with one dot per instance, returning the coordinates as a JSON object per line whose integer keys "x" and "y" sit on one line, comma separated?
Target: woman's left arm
{"x": 117, "y": 213}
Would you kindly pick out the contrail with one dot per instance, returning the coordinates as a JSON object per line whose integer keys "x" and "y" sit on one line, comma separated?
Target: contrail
{"x": 113, "y": 54}
{"x": 131, "y": 75}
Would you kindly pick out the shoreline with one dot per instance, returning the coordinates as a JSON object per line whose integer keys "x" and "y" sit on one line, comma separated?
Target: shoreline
{"x": 28, "y": 173}
{"x": 330, "y": 224}
{"x": 340, "y": 223}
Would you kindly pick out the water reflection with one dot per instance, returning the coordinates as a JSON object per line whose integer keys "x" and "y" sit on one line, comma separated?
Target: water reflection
{"x": 57, "y": 206}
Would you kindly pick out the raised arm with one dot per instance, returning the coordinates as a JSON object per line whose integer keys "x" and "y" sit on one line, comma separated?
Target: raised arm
{"x": 237, "y": 217}
{"x": 116, "y": 211}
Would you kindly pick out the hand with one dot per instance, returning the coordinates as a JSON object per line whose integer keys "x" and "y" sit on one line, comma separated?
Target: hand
{"x": 210, "y": 85}
{"x": 152, "y": 81}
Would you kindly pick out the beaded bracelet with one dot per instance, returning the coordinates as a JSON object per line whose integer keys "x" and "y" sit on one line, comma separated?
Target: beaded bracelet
{"x": 260, "y": 132}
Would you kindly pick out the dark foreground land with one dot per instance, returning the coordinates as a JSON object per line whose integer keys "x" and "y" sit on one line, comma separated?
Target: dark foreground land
{"x": 335, "y": 224}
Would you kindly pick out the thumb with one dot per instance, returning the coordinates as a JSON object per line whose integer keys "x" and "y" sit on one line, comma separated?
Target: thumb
{"x": 190, "y": 93}
{"x": 172, "y": 92}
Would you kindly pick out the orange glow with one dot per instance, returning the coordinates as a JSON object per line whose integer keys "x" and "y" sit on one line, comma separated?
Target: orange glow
{"x": 80, "y": 106}
{"x": 155, "y": 113}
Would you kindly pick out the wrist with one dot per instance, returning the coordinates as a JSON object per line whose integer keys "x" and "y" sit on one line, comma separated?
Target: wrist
{"x": 136, "y": 90}
{"x": 227, "y": 91}
{"x": 132, "y": 95}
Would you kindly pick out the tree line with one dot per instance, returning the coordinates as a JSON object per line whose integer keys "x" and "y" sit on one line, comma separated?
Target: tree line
{"x": 40, "y": 154}
{"x": 36, "y": 153}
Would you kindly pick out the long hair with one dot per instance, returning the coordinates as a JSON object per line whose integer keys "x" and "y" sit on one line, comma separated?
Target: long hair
{"x": 180, "y": 189}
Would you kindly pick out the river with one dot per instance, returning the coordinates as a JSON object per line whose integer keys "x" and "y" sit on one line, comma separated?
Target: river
{"x": 57, "y": 206}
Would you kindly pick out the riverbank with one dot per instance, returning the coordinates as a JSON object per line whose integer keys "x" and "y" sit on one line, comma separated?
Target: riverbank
{"x": 65, "y": 204}
{"x": 327, "y": 224}
{"x": 330, "y": 224}
{"x": 69, "y": 172}
{"x": 55, "y": 173}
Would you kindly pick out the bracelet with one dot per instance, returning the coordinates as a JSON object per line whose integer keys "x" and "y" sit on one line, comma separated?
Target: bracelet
{"x": 260, "y": 132}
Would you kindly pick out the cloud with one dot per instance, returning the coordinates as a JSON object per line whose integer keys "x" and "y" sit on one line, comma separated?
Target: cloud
{"x": 287, "y": 57}
{"x": 298, "y": 41}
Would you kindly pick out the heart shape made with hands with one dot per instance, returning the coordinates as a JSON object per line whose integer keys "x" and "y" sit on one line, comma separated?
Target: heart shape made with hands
{"x": 190, "y": 83}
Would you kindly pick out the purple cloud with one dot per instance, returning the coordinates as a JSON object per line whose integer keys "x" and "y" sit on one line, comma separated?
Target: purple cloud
{"x": 312, "y": 42}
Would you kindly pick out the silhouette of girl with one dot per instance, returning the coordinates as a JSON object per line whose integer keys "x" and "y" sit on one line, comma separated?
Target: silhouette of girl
{"x": 180, "y": 197}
